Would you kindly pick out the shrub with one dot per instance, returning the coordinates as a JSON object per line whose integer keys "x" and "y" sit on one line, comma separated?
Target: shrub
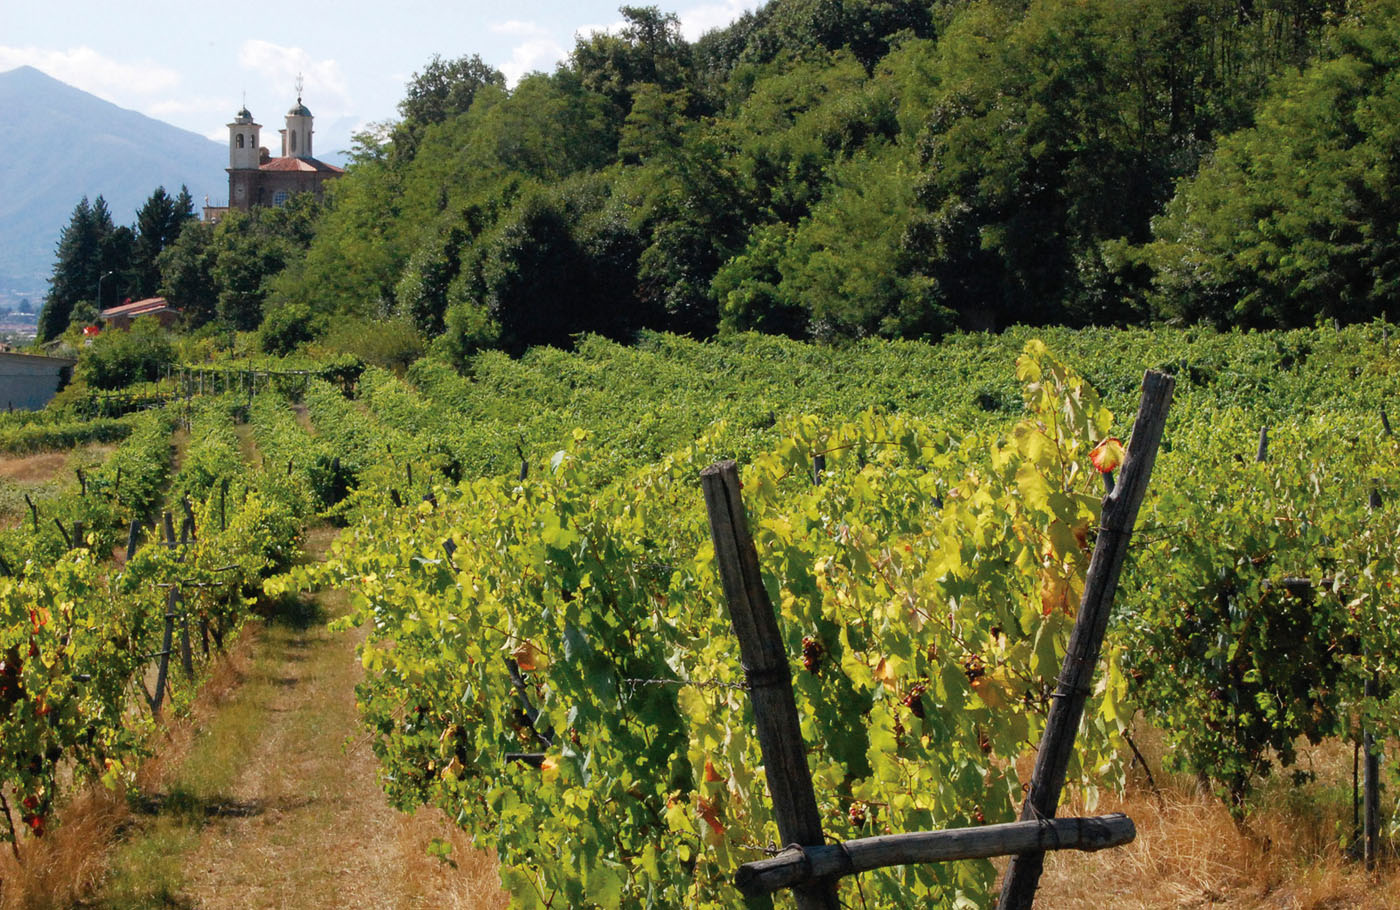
{"x": 117, "y": 359}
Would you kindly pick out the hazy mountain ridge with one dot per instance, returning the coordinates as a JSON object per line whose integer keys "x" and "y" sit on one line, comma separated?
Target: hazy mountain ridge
{"x": 70, "y": 144}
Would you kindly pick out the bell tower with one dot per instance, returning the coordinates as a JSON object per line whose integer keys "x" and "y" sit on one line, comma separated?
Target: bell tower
{"x": 296, "y": 138}
{"x": 244, "y": 157}
{"x": 243, "y": 141}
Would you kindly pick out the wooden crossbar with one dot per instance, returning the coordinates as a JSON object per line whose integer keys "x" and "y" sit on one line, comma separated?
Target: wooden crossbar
{"x": 800, "y": 865}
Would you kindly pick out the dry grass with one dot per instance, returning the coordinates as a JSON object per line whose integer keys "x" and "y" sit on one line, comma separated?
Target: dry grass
{"x": 1190, "y": 853}
{"x": 66, "y": 867}
{"x": 33, "y": 469}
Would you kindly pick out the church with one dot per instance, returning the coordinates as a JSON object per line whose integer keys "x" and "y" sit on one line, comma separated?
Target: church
{"x": 255, "y": 178}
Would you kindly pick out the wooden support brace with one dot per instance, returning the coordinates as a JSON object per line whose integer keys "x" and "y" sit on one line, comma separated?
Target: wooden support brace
{"x": 797, "y": 865}
{"x": 1119, "y": 515}
{"x": 768, "y": 674}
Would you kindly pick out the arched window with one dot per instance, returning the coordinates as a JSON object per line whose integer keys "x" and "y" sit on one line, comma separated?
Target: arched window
{"x": 240, "y": 140}
{"x": 279, "y": 198}
{"x": 294, "y": 141}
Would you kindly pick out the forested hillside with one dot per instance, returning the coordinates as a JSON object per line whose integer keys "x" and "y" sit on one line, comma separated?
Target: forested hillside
{"x": 833, "y": 170}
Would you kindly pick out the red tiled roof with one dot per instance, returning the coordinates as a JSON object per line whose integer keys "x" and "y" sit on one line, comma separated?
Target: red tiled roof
{"x": 308, "y": 165}
{"x": 138, "y": 308}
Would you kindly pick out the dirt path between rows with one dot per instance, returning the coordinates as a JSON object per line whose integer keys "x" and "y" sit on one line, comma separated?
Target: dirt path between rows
{"x": 306, "y": 823}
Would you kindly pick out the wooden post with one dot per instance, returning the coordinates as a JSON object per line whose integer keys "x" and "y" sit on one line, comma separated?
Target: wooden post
{"x": 163, "y": 672}
{"x": 1120, "y": 510}
{"x": 1371, "y": 786}
{"x": 768, "y": 674}
{"x": 79, "y": 529}
{"x": 33, "y": 511}
{"x": 67, "y": 541}
{"x": 1263, "y": 454}
{"x": 186, "y": 652}
{"x": 1371, "y": 789}
{"x": 818, "y": 468}
{"x": 82, "y": 480}
{"x": 132, "y": 534}
{"x": 223, "y": 496}
{"x": 168, "y": 523}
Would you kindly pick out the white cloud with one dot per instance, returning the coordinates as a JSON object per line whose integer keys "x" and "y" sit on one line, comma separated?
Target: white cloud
{"x": 325, "y": 89}
{"x": 612, "y": 29}
{"x": 698, "y": 20}
{"x": 539, "y": 51}
{"x": 124, "y": 83}
{"x": 540, "y": 54}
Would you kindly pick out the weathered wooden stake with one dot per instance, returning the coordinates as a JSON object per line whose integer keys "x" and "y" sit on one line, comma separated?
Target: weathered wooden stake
{"x": 186, "y": 651}
{"x": 818, "y": 468}
{"x": 163, "y": 672}
{"x": 1371, "y": 789}
{"x": 67, "y": 541}
{"x": 1263, "y": 454}
{"x": 168, "y": 523}
{"x": 1119, "y": 514}
{"x": 133, "y": 534}
{"x": 33, "y": 511}
{"x": 768, "y": 674}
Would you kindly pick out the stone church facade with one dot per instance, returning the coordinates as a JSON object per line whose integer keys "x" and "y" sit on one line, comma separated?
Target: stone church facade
{"x": 255, "y": 178}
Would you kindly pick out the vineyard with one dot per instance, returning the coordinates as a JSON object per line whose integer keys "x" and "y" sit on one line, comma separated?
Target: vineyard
{"x": 549, "y": 658}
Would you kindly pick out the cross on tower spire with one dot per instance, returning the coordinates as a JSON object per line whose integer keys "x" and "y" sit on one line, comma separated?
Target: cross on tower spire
{"x": 299, "y": 86}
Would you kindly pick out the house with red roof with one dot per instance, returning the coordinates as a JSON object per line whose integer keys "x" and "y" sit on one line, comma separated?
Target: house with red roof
{"x": 121, "y": 317}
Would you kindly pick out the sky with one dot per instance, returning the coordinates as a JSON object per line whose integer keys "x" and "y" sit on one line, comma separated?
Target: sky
{"x": 195, "y": 63}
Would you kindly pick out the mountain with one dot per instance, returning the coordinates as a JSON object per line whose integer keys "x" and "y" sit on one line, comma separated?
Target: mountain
{"x": 70, "y": 144}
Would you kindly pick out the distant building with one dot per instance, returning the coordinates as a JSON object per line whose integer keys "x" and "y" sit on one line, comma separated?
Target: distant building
{"x": 28, "y": 382}
{"x": 121, "y": 317}
{"x": 257, "y": 179}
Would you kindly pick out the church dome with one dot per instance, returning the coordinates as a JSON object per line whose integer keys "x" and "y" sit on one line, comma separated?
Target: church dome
{"x": 300, "y": 110}
{"x": 244, "y": 114}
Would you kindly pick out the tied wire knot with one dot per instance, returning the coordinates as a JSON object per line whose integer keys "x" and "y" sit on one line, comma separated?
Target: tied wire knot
{"x": 1048, "y": 830}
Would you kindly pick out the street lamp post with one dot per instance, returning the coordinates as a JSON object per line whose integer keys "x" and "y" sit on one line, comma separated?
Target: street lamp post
{"x": 101, "y": 279}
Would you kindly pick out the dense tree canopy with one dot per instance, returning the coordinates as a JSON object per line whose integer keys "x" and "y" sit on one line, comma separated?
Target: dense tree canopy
{"x": 836, "y": 169}
{"x": 1298, "y": 217}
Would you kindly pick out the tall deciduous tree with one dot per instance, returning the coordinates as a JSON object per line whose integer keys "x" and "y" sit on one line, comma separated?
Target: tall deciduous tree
{"x": 444, "y": 89}
{"x": 186, "y": 273}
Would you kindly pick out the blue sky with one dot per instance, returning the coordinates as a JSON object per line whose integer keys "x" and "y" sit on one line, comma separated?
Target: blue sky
{"x": 190, "y": 63}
